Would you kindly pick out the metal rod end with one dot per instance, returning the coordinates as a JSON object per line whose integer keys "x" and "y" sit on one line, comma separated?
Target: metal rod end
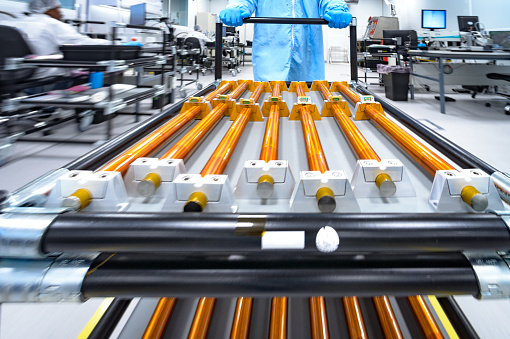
{"x": 326, "y": 200}
{"x": 474, "y": 198}
{"x": 385, "y": 185}
{"x": 196, "y": 202}
{"x": 78, "y": 200}
{"x": 149, "y": 184}
{"x": 265, "y": 187}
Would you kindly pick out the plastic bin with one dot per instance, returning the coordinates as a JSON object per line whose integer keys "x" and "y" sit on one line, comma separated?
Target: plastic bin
{"x": 99, "y": 52}
{"x": 396, "y": 81}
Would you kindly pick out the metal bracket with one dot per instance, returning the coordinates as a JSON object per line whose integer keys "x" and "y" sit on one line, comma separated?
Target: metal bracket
{"x": 493, "y": 274}
{"x": 21, "y": 234}
{"x": 42, "y": 280}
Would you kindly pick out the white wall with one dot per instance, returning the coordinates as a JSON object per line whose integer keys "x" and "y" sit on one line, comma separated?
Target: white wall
{"x": 492, "y": 13}
{"x": 17, "y": 8}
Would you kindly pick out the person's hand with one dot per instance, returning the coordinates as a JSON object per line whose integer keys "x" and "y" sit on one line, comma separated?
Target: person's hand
{"x": 338, "y": 18}
{"x": 233, "y": 16}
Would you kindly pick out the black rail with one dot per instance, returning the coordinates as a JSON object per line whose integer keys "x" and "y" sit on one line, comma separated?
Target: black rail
{"x": 292, "y": 276}
{"x": 231, "y": 233}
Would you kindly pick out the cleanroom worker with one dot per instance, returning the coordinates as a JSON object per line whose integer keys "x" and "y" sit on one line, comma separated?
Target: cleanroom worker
{"x": 45, "y": 33}
{"x": 288, "y": 52}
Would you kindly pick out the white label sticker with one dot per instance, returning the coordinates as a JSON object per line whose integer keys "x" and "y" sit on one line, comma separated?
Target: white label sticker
{"x": 282, "y": 240}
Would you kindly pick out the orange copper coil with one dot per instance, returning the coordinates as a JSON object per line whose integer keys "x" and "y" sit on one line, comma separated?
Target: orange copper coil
{"x": 242, "y": 317}
{"x": 348, "y": 92}
{"x": 202, "y": 319}
{"x": 299, "y": 91}
{"x": 318, "y": 318}
{"x": 424, "y": 317}
{"x": 160, "y": 317}
{"x": 191, "y": 140}
{"x": 269, "y": 149}
{"x": 219, "y": 159}
{"x": 220, "y": 90}
{"x": 430, "y": 161}
{"x": 278, "y": 322}
{"x": 355, "y": 323}
{"x": 151, "y": 142}
{"x": 276, "y": 90}
{"x": 357, "y": 141}
{"x": 387, "y": 318}
{"x": 315, "y": 154}
{"x": 324, "y": 91}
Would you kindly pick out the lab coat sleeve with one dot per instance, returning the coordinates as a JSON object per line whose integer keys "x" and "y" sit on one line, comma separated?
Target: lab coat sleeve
{"x": 249, "y": 5}
{"x": 66, "y": 34}
{"x": 328, "y": 5}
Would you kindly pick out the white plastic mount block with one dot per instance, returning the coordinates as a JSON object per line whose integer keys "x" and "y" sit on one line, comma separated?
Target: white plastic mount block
{"x": 448, "y": 185}
{"x": 366, "y": 171}
{"x": 279, "y": 170}
{"x": 167, "y": 169}
{"x": 217, "y": 188}
{"x": 304, "y": 196}
{"x": 107, "y": 190}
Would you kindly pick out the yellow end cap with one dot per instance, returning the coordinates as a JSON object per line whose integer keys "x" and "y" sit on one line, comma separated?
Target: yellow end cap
{"x": 196, "y": 202}
{"x": 474, "y": 198}
{"x": 78, "y": 200}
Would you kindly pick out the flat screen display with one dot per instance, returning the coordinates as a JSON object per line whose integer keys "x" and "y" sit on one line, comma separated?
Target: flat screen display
{"x": 433, "y": 19}
{"x": 137, "y": 14}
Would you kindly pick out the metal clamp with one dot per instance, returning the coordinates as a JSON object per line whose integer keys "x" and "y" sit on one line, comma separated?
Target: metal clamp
{"x": 493, "y": 274}
{"x": 42, "y": 280}
{"x": 21, "y": 234}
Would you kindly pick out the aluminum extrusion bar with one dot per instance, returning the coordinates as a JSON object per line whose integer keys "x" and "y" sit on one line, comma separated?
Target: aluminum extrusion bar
{"x": 256, "y": 276}
{"x": 182, "y": 232}
{"x": 292, "y": 21}
{"x": 93, "y": 159}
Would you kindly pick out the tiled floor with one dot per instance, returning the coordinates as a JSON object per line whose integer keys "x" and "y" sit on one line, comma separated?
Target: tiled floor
{"x": 481, "y": 130}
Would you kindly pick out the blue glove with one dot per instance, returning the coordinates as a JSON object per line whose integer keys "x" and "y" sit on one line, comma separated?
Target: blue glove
{"x": 233, "y": 16}
{"x": 338, "y": 18}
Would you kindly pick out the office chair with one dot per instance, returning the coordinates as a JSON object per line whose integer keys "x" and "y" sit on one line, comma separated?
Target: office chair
{"x": 15, "y": 80}
{"x": 504, "y": 77}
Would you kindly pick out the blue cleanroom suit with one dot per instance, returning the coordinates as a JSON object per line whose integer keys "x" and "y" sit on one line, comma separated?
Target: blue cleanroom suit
{"x": 288, "y": 52}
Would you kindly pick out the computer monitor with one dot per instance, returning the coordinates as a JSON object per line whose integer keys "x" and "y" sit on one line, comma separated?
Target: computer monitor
{"x": 402, "y": 36}
{"x": 467, "y": 23}
{"x": 433, "y": 19}
{"x": 137, "y": 14}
